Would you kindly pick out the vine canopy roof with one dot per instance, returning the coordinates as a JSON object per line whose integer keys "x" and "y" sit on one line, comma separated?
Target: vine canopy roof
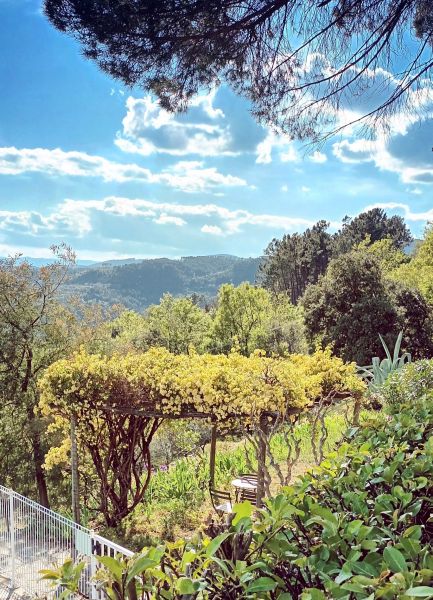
{"x": 158, "y": 383}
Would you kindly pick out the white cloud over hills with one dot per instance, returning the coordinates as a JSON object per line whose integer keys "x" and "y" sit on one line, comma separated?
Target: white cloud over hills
{"x": 216, "y": 148}
{"x": 76, "y": 217}
{"x": 83, "y": 219}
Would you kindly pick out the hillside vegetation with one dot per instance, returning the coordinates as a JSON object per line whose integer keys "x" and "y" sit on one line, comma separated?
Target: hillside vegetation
{"x": 138, "y": 284}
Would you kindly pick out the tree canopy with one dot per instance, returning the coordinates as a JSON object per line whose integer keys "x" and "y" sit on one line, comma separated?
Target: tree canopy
{"x": 297, "y": 260}
{"x": 418, "y": 273}
{"x": 354, "y": 302}
{"x": 240, "y": 316}
{"x": 35, "y": 330}
{"x": 298, "y": 61}
{"x": 177, "y": 324}
{"x": 375, "y": 224}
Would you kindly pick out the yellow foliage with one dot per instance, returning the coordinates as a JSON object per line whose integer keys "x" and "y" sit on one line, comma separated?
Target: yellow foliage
{"x": 219, "y": 385}
{"x": 58, "y": 455}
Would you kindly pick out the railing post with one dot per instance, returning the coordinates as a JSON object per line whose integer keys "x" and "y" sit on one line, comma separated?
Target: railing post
{"x": 93, "y": 567}
{"x": 12, "y": 537}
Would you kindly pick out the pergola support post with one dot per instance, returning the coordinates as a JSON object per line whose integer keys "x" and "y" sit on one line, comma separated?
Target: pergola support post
{"x": 261, "y": 460}
{"x": 213, "y": 442}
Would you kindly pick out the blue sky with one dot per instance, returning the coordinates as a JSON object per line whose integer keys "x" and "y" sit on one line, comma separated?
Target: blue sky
{"x": 86, "y": 161}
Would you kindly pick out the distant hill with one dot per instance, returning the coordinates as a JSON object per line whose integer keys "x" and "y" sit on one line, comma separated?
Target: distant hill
{"x": 117, "y": 262}
{"x": 139, "y": 283}
{"x": 41, "y": 262}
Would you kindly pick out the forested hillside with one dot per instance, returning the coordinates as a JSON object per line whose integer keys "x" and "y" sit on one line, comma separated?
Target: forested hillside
{"x": 141, "y": 283}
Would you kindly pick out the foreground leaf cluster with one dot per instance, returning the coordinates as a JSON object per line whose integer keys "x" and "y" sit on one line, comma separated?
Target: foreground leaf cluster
{"x": 358, "y": 527}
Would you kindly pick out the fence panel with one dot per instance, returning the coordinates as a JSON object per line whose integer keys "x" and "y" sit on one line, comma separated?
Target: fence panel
{"x": 33, "y": 537}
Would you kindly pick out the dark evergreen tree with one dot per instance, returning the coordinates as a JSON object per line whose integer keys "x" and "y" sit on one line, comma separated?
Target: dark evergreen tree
{"x": 261, "y": 48}
{"x": 296, "y": 260}
{"x": 375, "y": 225}
{"x": 353, "y": 303}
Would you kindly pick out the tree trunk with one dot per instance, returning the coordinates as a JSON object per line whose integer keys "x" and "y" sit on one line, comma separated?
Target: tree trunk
{"x": 35, "y": 438}
{"x": 261, "y": 460}
{"x": 38, "y": 460}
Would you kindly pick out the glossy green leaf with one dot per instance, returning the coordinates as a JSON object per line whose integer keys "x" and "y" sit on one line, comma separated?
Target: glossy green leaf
{"x": 112, "y": 565}
{"x": 242, "y": 510}
{"x": 262, "y": 584}
{"x": 185, "y": 585}
{"x": 214, "y": 544}
{"x": 422, "y": 591}
{"x": 394, "y": 559}
{"x": 139, "y": 567}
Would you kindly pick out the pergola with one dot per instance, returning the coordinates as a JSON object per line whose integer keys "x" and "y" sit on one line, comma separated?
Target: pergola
{"x": 187, "y": 413}
{"x": 115, "y": 405}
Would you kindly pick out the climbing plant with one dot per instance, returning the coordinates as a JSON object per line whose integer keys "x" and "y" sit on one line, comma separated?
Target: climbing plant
{"x": 118, "y": 403}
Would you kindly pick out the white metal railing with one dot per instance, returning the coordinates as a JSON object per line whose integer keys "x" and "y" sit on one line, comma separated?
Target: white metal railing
{"x": 33, "y": 537}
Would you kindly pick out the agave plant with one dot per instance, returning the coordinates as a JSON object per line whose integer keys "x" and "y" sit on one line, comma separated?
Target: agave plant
{"x": 379, "y": 370}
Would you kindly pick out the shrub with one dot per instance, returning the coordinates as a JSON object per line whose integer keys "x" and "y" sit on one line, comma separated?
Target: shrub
{"x": 410, "y": 383}
{"x": 354, "y": 301}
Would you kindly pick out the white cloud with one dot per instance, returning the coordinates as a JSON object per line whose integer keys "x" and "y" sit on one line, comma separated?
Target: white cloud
{"x": 318, "y": 157}
{"x": 193, "y": 176}
{"x": 273, "y": 141}
{"x": 187, "y": 176}
{"x": 358, "y": 151}
{"x": 378, "y": 152}
{"x": 408, "y": 213}
{"x": 284, "y": 188}
{"x": 305, "y": 189}
{"x": 82, "y": 219}
{"x": 76, "y": 217}
{"x": 33, "y": 223}
{"x": 14, "y": 161}
{"x": 164, "y": 219}
{"x": 289, "y": 155}
{"x": 149, "y": 129}
{"x": 400, "y": 142}
{"x": 212, "y": 230}
{"x": 230, "y": 221}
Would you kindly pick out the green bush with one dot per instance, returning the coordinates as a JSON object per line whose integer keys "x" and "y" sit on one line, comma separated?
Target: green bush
{"x": 409, "y": 384}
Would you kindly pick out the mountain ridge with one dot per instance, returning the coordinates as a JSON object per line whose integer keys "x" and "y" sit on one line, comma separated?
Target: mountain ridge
{"x": 138, "y": 283}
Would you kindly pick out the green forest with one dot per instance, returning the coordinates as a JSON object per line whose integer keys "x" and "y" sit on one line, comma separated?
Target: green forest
{"x": 139, "y": 283}
{"x": 335, "y": 336}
